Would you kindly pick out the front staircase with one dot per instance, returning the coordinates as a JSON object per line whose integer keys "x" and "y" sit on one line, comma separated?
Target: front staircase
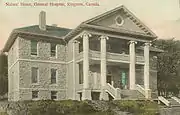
{"x": 131, "y": 95}
{"x": 127, "y": 94}
{"x": 170, "y": 102}
{"x": 114, "y": 92}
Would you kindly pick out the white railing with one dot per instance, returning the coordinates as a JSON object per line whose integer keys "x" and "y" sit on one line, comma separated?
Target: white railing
{"x": 114, "y": 92}
{"x": 163, "y": 100}
{"x": 79, "y": 56}
{"x": 140, "y": 89}
{"x": 111, "y": 90}
{"x": 116, "y": 56}
{"x": 94, "y": 54}
{"x": 140, "y": 59}
{"x": 176, "y": 99}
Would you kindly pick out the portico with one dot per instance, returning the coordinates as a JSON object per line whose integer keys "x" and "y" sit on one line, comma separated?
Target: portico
{"x": 100, "y": 56}
{"x": 114, "y": 41}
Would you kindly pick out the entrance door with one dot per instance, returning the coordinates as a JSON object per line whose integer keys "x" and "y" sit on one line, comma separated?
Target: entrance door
{"x": 124, "y": 80}
{"x": 109, "y": 79}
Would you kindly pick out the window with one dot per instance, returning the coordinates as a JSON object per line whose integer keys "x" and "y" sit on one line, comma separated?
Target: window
{"x": 108, "y": 47}
{"x": 53, "y": 75}
{"x": 33, "y": 47}
{"x": 53, "y": 95}
{"x": 80, "y": 74}
{"x": 80, "y": 47}
{"x": 53, "y": 50}
{"x": 34, "y": 74}
{"x": 119, "y": 21}
{"x": 35, "y": 94}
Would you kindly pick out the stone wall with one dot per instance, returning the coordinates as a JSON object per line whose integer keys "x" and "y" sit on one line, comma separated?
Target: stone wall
{"x": 13, "y": 71}
{"x": 43, "y": 50}
{"x": 44, "y": 85}
{"x": 20, "y": 86}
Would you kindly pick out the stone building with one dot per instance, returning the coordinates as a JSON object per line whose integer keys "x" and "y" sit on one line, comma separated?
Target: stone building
{"x": 106, "y": 57}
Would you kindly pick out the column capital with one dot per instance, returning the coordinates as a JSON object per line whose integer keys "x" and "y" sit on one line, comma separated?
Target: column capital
{"x": 85, "y": 35}
{"x": 104, "y": 37}
{"x": 75, "y": 41}
{"x": 147, "y": 44}
{"x": 132, "y": 42}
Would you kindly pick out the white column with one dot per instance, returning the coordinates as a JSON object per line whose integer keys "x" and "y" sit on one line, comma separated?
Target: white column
{"x": 103, "y": 66}
{"x": 146, "y": 69}
{"x": 86, "y": 94}
{"x": 74, "y": 76}
{"x": 103, "y": 61}
{"x": 132, "y": 64}
{"x": 75, "y": 43}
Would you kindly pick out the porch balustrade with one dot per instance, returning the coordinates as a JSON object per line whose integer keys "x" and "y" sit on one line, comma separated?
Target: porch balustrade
{"x": 95, "y": 80}
{"x": 95, "y": 55}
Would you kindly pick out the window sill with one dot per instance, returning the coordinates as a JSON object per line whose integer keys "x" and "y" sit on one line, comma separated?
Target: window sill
{"x": 54, "y": 84}
{"x": 35, "y": 99}
{"x": 53, "y": 57}
{"x": 35, "y": 84}
{"x": 34, "y": 55}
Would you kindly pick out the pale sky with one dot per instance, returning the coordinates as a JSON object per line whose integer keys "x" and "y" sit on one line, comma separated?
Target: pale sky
{"x": 161, "y": 16}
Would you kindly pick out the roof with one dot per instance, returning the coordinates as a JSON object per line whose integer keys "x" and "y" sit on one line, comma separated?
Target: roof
{"x": 87, "y": 24}
{"x": 50, "y": 32}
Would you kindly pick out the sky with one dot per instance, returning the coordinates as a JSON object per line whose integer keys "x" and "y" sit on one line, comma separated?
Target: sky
{"x": 161, "y": 16}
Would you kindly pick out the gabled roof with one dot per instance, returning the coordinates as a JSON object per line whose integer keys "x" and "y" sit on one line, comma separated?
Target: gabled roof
{"x": 87, "y": 24}
{"x": 128, "y": 13}
{"x": 50, "y": 32}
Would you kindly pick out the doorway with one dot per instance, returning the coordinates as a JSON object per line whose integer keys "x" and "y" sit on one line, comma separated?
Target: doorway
{"x": 124, "y": 80}
{"x": 109, "y": 79}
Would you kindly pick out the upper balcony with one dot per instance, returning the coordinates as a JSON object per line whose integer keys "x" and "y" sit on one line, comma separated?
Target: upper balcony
{"x": 111, "y": 57}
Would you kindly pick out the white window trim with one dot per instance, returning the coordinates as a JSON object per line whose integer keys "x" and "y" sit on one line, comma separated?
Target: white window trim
{"x": 54, "y": 84}
{"x": 56, "y": 56}
{"x": 121, "y": 19}
{"x": 37, "y": 51}
{"x": 35, "y": 99}
{"x": 56, "y": 96}
{"x": 37, "y": 83}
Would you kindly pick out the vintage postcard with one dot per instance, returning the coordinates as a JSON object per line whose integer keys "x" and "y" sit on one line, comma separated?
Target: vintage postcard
{"x": 89, "y": 57}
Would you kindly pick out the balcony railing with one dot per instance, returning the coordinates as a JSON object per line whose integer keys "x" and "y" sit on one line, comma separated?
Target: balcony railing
{"x": 115, "y": 57}
{"x": 94, "y": 54}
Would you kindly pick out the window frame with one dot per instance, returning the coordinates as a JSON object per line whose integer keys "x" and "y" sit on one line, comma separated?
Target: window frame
{"x": 56, "y": 72}
{"x": 34, "y": 51}
{"x": 55, "y": 94}
{"x": 81, "y": 78}
{"x": 53, "y": 53}
{"x": 37, "y": 76}
{"x": 37, "y": 94}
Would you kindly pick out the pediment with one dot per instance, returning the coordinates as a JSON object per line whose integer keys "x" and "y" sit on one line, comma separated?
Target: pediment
{"x": 120, "y": 18}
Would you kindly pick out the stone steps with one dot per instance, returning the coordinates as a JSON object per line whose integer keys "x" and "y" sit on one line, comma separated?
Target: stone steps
{"x": 131, "y": 95}
{"x": 173, "y": 103}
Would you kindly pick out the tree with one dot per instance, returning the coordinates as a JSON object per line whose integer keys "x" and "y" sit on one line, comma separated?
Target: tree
{"x": 168, "y": 66}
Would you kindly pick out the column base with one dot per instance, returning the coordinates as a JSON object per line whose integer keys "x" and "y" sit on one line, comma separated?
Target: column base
{"x": 147, "y": 93}
{"x": 86, "y": 94}
{"x": 104, "y": 95}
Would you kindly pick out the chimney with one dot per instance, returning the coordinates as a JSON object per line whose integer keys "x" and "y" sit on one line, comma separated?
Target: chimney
{"x": 42, "y": 20}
